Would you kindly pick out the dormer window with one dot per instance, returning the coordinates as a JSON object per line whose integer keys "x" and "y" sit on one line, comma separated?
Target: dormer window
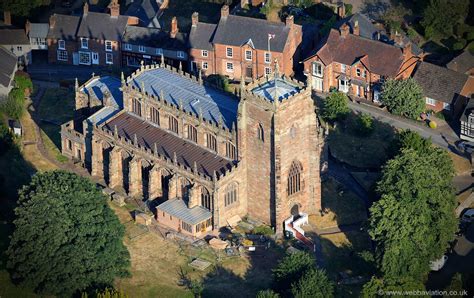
{"x": 62, "y": 44}
{"x": 84, "y": 43}
{"x": 317, "y": 69}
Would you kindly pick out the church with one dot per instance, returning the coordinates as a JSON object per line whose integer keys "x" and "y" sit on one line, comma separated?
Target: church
{"x": 199, "y": 155}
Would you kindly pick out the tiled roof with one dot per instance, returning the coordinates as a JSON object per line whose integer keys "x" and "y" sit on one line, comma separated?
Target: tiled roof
{"x": 7, "y": 67}
{"x": 13, "y": 37}
{"x": 384, "y": 59}
{"x": 65, "y": 27}
{"x": 195, "y": 97}
{"x": 156, "y": 38}
{"x": 200, "y": 36}
{"x": 366, "y": 28}
{"x": 237, "y": 30}
{"x": 168, "y": 144}
{"x": 462, "y": 63}
{"x": 438, "y": 82}
{"x": 177, "y": 208}
{"x": 276, "y": 88}
{"x": 38, "y": 30}
{"x": 102, "y": 26}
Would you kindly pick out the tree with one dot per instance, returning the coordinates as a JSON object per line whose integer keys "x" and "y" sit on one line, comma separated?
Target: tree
{"x": 22, "y": 7}
{"x": 66, "y": 238}
{"x": 378, "y": 287}
{"x": 403, "y": 97}
{"x": 313, "y": 283}
{"x": 416, "y": 195}
{"x": 364, "y": 124}
{"x": 441, "y": 16}
{"x": 335, "y": 106}
{"x": 267, "y": 294}
{"x": 290, "y": 269}
{"x": 408, "y": 139}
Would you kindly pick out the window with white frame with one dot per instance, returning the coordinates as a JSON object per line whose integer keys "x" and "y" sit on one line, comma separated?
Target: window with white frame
{"x": 229, "y": 66}
{"x": 268, "y": 71}
{"x": 205, "y": 65}
{"x": 343, "y": 68}
{"x": 128, "y": 47}
{"x": 317, "y": 69}
{"x": 159, "y": 51}
{"x": 19, "y": 48}
{"x": 343, "y": 85}
{"x": 108, "y": 46}
{"x": 248, "y": 55}
{"x": 446, "y": 106}
{"x": 84, "y": 43}
{"x": 141, "y": 49}
{"x": 229, "y": 52}
{"x": 62, "y": 55}
{"x": 62, "y": 44}
{"x": 85, "y": 58}
{"x": 204, "y": 53}
{"x": 109, "y": 58}
{"x": 268, "y": 57}
{"x": 430, "y": 101}
{"x": 180, "y": 54}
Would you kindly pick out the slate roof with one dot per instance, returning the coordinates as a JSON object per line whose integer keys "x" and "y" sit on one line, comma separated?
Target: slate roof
{"x": 38, "y": 30}
{"x": 177, "y": 208}
{"x": 237, "y": 30}
{"x": 102, "y": 26}
{"x": 195, "y": 97}
{"x": 156, "y": 38}
{"x": 168, "y": 144}
{"x": 276, "y": 88}
{"x": 65, "y": 27}
{"x": 438, "y": 82}
{"x": 366, "y": 28}
{"x": 145, "y": 11}
{"x": 100, "y": 86}
{"x": 7, "y": 66}
{"x": 201, "y": 35}
{"x": 384, "y": 59}
{"x": 462, "y": 63}
{"x": 13, "y": 37}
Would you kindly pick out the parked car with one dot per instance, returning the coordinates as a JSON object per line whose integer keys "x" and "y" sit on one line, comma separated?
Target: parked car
{"x": 438, "y": 264}
{"x": 468, "y": 216}
{"x": 466, "y": 146}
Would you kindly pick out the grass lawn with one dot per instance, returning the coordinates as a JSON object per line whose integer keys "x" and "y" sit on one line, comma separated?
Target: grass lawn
{"x": 209, "y": 12}
{"x": 343, "y": 207}
{"x": 370, "y": 151}
{"x": 461, "y": 165}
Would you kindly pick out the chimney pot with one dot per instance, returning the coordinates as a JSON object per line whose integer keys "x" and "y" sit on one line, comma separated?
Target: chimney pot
{"x": 344, "y": 30}
{"x": 114, "y": 7}
{"x": 356, "y": 30}
{"x": 225, "y": 11}
{"x": 86, "y": 8}
{"x": 195, "y": 19}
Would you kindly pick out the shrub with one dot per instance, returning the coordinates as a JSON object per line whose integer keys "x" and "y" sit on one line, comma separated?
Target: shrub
{"x": 290, "y": 269}
{"x": 403, "y": 97}
{"x": 267, "y": 294}
{"x": 365, "y": 124}
{"x": 23, "y": 81}
{"x": 15, "y": 104}
{"x": 459, "y": 44}
{"x": 335, "y": 106}
{"x": 313, "y": 283}
{"x": 263, "y": 230}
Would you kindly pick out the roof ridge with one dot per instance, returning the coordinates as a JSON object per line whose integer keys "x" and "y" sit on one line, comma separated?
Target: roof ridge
{"x": 255, "y": 19}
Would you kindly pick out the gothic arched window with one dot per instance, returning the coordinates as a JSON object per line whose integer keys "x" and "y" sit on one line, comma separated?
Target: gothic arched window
{"x": 294, "y": 178}
{"x": 260, "y": 132}
{"x": 230, "y": 196}
{"x": 205, "y": 198}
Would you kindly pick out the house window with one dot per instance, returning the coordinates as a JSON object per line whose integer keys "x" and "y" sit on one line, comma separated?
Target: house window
{"x": 204, "y": 53}
{"x": 191, "y": 133}
{"x": 159, "y": 51}
{"x": 204, "y": 65}
{"x": 19, "y": 48}
{"x": 230, "y": 150}
{"x": 446, "y": 106}
{"x": 430, "y": 101}
{"x": 248, "y": 55}
{"x": 343, "y": 85}
{"x": 318, "y": 69}
{"x": 229, "y": 67}
{"x": 205, "y": 198}
{"x": 294, "y": 178}
{"x": 136, "y": 107}
{"x": 343, "y": 68}
{"x": 267, "y": 57}
{"x": 155, "y": 116}
{"x": 229, "y": 52}
{"x": 180, "y": 54}
{"x": 109, "y": 58}
{"x": 260, "y": 133}
{"x": 62, "y": 44}
{"x": 62, "y": 55}
{"x": 187, "y": 227}
{"x": 108, "y": 46}
{"x": 268, "y": 71}
{"x": 84, "y": 43}
{"x": 358, "y": 72}
{"x": 211, "y": 142}
{"x": 128, "y": 47}
{"x": 141, "y": 49}
{"x": 230, "y": 196}
{"x": 364, "y": 74}
{"x": 85, "y": 58}
{"x": 173, "y": 124}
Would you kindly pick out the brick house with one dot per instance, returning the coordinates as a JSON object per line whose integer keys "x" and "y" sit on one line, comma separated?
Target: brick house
{"x": 356, "y": 65}
{"x": 243, "y": 47}
{"x": 92, "y": 39}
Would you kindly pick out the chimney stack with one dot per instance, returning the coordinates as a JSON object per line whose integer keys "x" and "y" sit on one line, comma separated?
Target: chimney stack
{"x": 52, "y": 21}
{"x": 290, "y": 20}
{"x": 398, "y": 38}
{"x": 174, "y": 27}
{"x": 27, "y": 27}
{"x": 114, "y": 7}
{"x": 7, "y": 18}
{"x": 225, "y": 11}
{"x": 356, "y": 30}
{"x": 341, "y": 10}
{"x": 344, "y": 30}
{"x": 195, "y": 19}
{"x": 86, "y": 8}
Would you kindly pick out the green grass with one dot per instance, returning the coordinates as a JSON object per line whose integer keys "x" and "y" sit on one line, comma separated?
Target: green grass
{"x": 57, "y": 105}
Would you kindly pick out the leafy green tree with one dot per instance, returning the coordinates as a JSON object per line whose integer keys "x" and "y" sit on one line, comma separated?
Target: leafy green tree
{"x": 66, "y": 237}
{"x": 267, "y": 294}
{"x": 403, "y": 97}
{"x": 365, "y": 124}
{"x": 313, "y": 283}
{"x": 14, "y": 106}
{"x": 416, "y": 195}
{"x": 441, "y": 16}
{"x": 408, "y": 139}
{"x": 335, "y": 106}
{"x": 378, "y": 287}
{"x": 290, "y": 269}
{"x": 22, "y": 7}
{"x": 456, "y": 283}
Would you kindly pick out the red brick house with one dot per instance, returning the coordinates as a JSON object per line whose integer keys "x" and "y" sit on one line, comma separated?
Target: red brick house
{"x": 91, "y": 39}
{"x": 356, "y": 65}
{"x": 243, "y": 47}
